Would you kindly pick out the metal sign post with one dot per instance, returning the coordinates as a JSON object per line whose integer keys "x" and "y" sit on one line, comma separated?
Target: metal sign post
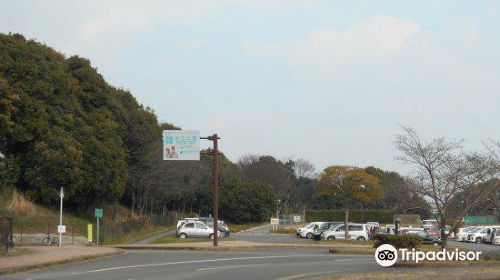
{"x": 215, "y": 139}
{"x": 185, "y": 145}
{"x": 59, "y": 229}
{"x": 98, "y": 214}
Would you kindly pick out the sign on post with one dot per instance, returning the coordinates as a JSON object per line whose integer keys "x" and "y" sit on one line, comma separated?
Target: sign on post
{"x": 275, "y": 222}
{"x": 297, "y": 219}
{"x": 181, "y": 145}
{"x": 61, "y": 229}
{"x": 98, "y": 212}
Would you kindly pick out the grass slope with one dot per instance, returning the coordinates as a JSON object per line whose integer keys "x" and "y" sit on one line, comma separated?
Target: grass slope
{"x": 40, "y": 219}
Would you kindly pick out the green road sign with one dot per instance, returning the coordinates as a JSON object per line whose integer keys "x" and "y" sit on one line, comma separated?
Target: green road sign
{"x": 98, "y": 213}
{"x": 470, "y": 219}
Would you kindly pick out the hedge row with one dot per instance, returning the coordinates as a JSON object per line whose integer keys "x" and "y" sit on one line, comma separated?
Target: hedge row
{"x": 356, "y": 216}
{"x": 398, "y": 241}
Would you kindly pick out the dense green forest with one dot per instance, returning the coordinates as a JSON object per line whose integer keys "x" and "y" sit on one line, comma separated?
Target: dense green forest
{"x": 63, "y": 125}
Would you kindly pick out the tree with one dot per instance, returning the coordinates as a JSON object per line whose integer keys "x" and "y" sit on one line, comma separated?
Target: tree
{"x": 397, "y": 194}
{"x": 443, "y": 174}
{"x": 494, "y": 159}
{"x": 271, "y": 171}
{"x": 242, "y": 202}
{"x": 350, "y": 185}
{"x": 62, "y": 125}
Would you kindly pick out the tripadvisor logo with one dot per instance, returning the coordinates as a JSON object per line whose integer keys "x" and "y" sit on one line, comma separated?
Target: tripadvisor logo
{"x": 386, "y": 255}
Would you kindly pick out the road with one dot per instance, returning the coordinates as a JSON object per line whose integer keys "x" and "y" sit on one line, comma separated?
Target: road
{"x": 176, "y": 265}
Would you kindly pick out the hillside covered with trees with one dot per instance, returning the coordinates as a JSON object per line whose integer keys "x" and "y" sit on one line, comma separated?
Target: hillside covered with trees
{"x": 63, "y": 125}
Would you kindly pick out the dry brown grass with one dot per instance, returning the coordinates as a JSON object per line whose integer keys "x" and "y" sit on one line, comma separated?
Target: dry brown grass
{"x": 21, "y": 206}
{"x": 483, "y": 273}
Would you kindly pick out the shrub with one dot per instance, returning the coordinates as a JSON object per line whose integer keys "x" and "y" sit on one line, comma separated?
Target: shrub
{"x": 21, "y": 206}
{"x": 192, "y": 215}
{"x": 398, "y": 241}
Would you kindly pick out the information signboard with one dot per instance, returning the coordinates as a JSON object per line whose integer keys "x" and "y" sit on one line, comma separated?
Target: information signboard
{"x": 98, "y": 212}
{"x": 61, "y": 229}
{"x": 181, "y": 145}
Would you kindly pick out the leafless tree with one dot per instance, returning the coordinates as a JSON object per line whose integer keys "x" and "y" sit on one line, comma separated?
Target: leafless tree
{"x": 443, "y": 174}
{"x": 494, "y": 157}
{"x": 303, "y": 168}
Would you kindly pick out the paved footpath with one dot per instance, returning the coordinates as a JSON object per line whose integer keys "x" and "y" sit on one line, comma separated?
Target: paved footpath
{"x": 46, "y": 256}
{"x": 151, "y": 238}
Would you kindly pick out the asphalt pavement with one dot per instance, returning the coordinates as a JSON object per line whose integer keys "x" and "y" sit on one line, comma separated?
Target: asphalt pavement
{"x": 176, "y": 265}
{"x": 271, "y": 264}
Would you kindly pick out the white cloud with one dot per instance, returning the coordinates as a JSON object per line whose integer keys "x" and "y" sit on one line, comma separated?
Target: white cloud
{"x": 378, "y": 36}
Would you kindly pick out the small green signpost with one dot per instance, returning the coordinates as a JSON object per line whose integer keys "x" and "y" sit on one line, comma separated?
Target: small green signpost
{"x": 97, "y": 214}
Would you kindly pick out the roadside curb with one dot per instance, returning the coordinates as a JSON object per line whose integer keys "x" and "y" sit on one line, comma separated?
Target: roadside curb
{"x": 219, "y": 248}
{"x": 47, "y": 265}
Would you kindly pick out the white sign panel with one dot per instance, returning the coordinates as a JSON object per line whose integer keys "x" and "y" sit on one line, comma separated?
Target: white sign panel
{"x": 61, "y": 229}
{"x": 297, "y": 219}
{"x": 275, "y": 221}
{"x": 181, "y": 145}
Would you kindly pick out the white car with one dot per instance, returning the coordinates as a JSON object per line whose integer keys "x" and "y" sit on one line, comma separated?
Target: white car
{"x": 308, "y": 230}
{"x": 196, "y": 229}
{"x": 496, "y": 239}
{"x": 463, "y": 233}
{"x": 356, "y": 231}
{"x": 477, "y": 234}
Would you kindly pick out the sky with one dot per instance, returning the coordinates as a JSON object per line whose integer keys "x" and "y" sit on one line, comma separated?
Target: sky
{"x": 331, "y": 81}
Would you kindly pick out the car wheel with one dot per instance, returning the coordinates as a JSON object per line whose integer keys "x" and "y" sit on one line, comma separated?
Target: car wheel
{"x": 361, "y": 238}
{"x": 331, "y": 238}
{"x": 478, "y": 240}
{"x": 211, "y": 236}
{"x": 435, "y": 243}
{"x": 309, "y": 235}
{"x": 182, "y": 235}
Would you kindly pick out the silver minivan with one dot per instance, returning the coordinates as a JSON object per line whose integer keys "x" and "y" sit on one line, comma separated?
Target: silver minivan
{"x": 196, "y": 229}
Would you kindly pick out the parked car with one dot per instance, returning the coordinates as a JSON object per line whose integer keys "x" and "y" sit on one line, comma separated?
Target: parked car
{"x": 196, "y": 229}
{"x": 426, "y": 238}
{"x": 463, "y": 233}
{"x": 326, "y": 226}
{"x": 308, "y": 230}
{"x": 222, "y": 227}
{"x": 356, "y": 231}
{"x": 412, "y": 230}
{"x": 490, "y": 233}
{"x": 477, "y": 234}
{"x": 373, "y": 224}
{"x": 431, "y": 232}
{"x": 207, "y": 221}
{"x": 496, "y": 238}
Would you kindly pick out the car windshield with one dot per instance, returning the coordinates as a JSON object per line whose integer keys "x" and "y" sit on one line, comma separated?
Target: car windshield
{"x": 476, "y": 230}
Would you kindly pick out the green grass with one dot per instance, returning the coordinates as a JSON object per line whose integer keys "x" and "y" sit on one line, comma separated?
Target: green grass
{"x": 132, "y": 237}
{"x": 235, "y": 228}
